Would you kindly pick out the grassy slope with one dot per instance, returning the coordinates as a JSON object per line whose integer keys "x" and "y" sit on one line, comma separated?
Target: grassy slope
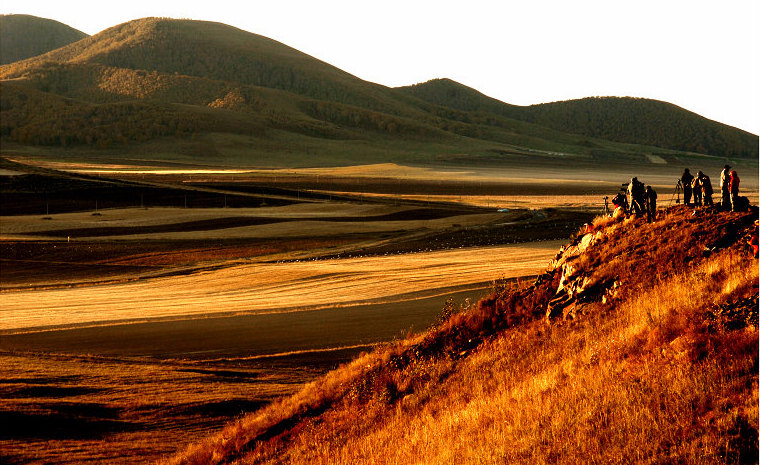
{"x": 25, "y": 36}
{"x": 665, "y": 371}
{"x": 192, "y": 90}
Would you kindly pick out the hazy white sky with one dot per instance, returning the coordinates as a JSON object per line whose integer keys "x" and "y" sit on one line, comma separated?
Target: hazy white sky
{"x": 701, "y": 55}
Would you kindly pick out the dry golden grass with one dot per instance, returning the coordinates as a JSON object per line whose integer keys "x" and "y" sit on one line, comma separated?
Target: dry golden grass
{"x": 268, "y": 287}
{"x": 87, "y": 409}
{"x": 666, "y": 374}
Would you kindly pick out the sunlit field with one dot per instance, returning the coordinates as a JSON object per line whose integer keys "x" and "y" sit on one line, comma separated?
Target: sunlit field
{"x": 272, "y": 287}
{"x": 134, "y": 329}
{"x": 146, "y": 318}
{"x": 138, "y": 366}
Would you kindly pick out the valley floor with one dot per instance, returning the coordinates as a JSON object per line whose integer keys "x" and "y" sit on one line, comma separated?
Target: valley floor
{"x": 127, "y": 331}
{"x": 124, "y": 371}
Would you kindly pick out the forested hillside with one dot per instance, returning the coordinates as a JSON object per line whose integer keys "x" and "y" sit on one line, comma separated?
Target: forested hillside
{"x": 644, "y": 121}
{"x": 218, "y": 89}
{"x": 451, "y": 94}
{"x": 212, "y": 51}
{"x": 25, "y": 36}
{"x": 621, "y": 119}
{"x": 36, "y": 118}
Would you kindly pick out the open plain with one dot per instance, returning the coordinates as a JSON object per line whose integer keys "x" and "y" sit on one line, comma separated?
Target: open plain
{"x": 144, "y": 307}
{"x": 142, "y": 311}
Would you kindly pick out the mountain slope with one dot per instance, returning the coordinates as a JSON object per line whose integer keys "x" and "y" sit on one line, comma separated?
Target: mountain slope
{"x": 644, "y": 121}
{"x": 25, "y": 36}
{"x": 448, "y": 93}
{"x": 655, "y": 360}
{"x": 212, "y": 51}
{"x": 180, "y": 88}
{"x": 621, "y": 119}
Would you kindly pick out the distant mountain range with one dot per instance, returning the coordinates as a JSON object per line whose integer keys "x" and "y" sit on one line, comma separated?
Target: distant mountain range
{"x": 186, "y": 89}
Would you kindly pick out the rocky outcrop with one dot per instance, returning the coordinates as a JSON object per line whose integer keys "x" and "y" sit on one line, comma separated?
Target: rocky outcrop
{"x": 616, "y": 257}
{"x": 576, "y": 287}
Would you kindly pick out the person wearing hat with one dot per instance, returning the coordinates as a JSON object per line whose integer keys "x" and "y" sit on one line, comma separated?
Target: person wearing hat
{"x": 725, "y": 192}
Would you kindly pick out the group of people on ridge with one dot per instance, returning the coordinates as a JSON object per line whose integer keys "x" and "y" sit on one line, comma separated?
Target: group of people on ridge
{"x": 697, "y": 191}
{"x": 701, "y": 189}
{"x": 642, "y": 200}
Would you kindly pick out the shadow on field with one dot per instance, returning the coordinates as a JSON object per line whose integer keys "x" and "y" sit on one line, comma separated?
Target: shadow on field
{"x": 309, "y": 335}
{"x": 57, "y": 425}
{"x": 243, "y": 221}
{"x": 224, "y": 408}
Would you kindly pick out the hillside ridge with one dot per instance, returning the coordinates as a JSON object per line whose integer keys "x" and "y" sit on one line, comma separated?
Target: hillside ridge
{"x": 208, "y": 50}
{"x": 622, "y": 119}
{"x": 179, "y": 88}
{"x": 26, "y": 36}
{"x": 654, "y": 356}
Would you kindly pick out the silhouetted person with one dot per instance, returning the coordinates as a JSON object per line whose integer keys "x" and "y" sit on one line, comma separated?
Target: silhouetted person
{"x": 650, "y": 198}
{"x": 734, "y": 187}
{"x": 686, "y": 179}
{"x": 636, "y": 192}
{"x": 725, "y": 190}
{"x": 696, "y": 191}
{"x": 707, "y": 190}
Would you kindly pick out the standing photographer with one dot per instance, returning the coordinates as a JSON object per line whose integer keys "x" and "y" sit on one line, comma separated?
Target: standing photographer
{"x": 707, "y": 190}
{"x": 686, "y": 179}
{"x": 636, "y": 193}
{"x": 725, "y": 191}
{"x": 650, "y": 201}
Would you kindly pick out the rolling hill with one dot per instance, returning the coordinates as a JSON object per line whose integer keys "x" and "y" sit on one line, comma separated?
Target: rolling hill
{"x": 25, "y": 36}
{"x": 621, "y": 119}
{"x": 208, "y": 93}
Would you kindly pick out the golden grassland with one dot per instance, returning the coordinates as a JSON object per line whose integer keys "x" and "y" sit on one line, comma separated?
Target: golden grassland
{"x": 106, "y": 372}
{"x": 269, "y": 287}
{"x": 492, "y": 384}
{"x": 288, "y": 222}
{"x": 665, "y": 372}
{"x": 69, "y": 409}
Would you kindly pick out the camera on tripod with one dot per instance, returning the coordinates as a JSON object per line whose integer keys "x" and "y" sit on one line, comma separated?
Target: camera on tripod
{"x": 677, "y": 193}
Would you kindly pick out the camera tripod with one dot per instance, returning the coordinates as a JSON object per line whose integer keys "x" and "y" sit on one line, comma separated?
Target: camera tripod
{"x": 677, "y": 193}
